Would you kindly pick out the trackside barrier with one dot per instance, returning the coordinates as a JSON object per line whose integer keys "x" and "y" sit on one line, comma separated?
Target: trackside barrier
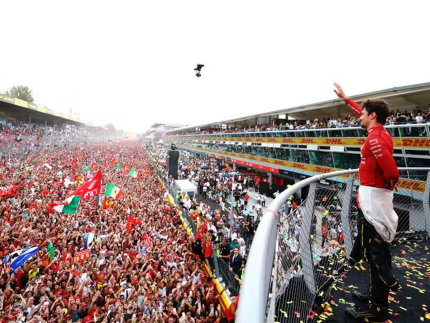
{"x": 225, "y": 302}
{"x": 289, "y": 284}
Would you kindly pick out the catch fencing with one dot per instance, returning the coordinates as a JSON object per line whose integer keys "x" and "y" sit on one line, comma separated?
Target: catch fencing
{"x": 298, "y": 254}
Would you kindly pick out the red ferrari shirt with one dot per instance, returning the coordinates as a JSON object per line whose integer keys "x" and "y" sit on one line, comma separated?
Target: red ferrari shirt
{"x": 377, "y": 166}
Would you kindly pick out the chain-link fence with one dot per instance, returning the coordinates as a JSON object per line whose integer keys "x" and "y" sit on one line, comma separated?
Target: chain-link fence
{"x": 315, "y": 239}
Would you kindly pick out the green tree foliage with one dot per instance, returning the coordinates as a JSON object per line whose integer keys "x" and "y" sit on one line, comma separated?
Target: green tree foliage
{"x": 21, "y": 92}
{"x": 110, "y": 127}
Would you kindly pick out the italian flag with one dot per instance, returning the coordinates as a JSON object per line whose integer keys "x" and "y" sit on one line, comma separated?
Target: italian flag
{"x": 70, "y": 205}
{"x": 118, "y": 166}
{"x": 113, "y": 191}
{"x": 92, "y": 166}
{"x": 133, "y": 173}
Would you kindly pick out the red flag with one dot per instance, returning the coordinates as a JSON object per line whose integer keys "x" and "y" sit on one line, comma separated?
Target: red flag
{"x": 126, "y": 169}
{"x": 91, "y": 188}
{"x": 114, "y": 160}
{"x": 79, "y": 157}
{"x": 74, "y": 164}
{"x": 107, "y": 204}
{"x": 106, "y": 162}
{"x": 81, "y": 256}
{"x": 6, "y": 191}
{"x": 93, "y": 166}
{"x": 132, "y": 221}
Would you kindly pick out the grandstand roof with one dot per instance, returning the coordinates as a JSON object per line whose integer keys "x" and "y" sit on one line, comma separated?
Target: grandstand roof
{"x": 168, "y": 125}
{"x": 404, "y": 97}
{"x": 19, "y": 107}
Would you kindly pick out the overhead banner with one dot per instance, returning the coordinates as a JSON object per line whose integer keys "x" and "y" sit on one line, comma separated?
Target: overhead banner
{"x": 413, "y": 142}
{"x": 254, "y": 165}
{"x": 32, "y": 106}
{"x": 405, "y": 184}
{"x": 7, "y": 99}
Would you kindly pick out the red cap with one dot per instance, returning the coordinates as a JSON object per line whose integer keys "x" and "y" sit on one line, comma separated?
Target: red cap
{"x": 88, "y": 319}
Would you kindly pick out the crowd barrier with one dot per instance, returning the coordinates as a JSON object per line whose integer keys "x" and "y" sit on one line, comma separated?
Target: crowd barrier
{"x": 221, "y": 275}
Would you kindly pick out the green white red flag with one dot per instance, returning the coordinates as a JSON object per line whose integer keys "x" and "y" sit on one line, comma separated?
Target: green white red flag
{"x": 133, "y": 173}
{"x": 69, "y": 206}
{"x": 113, "y": 191}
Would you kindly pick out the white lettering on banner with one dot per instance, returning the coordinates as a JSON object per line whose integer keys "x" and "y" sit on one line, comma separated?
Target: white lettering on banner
{"x": 373, "y": 141}
{"x": 91, "y": 193}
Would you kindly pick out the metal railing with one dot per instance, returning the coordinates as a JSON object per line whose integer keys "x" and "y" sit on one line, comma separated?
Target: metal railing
{"x": 219, "y": 267}
{"x": 298, "y": 254}
{"x": 401, "y": 130}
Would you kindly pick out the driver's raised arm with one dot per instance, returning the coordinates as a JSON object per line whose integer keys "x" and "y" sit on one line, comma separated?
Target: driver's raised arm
{"x": 355, "y": 107}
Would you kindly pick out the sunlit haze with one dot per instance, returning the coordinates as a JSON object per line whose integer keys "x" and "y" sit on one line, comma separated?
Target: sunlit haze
{"x": 131, "y": 63}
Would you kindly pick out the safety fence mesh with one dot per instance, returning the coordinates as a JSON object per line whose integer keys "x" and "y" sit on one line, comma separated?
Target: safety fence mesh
{"x": 316, "y": 238}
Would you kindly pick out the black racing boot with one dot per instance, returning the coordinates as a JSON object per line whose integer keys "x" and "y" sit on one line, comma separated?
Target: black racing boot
{"x": 361, "y": 296}
{"x": 369, "y": 312}
{"x": 394, "y": 287}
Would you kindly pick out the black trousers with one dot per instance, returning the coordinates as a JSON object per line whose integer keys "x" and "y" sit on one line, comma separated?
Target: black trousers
{"x": 370, "y": 246}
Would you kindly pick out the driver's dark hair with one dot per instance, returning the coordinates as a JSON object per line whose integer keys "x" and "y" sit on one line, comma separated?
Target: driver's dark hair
{"x": 380, "y": 107}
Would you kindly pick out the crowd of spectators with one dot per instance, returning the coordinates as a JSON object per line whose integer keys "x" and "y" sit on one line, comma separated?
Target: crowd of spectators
{"x": 224, "y": 231}
{"x": 18, "y": 137}
{"x": 417, "y": 116}
{"x": 227, "y": 229}
{"x": 140, "y": 265}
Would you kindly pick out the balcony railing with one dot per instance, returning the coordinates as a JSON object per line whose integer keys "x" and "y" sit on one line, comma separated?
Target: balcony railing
{"x": 397, "y": 131}
{"x": 291, "y": 268}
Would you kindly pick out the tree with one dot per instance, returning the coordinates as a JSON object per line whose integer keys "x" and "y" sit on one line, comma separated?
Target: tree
{"x": 21, "y": 92}
{"x": 110, "y": 127}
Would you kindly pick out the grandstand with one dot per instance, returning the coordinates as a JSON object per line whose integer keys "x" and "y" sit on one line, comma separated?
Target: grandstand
{"x": 32, "y": 113}
{"x": 27, "y": 127}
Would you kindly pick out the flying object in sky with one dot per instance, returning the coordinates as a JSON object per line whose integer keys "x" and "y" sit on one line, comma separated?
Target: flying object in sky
{"x": 198, "y": 69}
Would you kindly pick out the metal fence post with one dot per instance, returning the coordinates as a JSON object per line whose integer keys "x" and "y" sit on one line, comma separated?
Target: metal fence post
{"x": 215, "y": 259}
{"x": 305, "y": 240}
{"x": 426, "y": 206}
{"x": 344, "y": 215}
{"x": 271, "y": 314}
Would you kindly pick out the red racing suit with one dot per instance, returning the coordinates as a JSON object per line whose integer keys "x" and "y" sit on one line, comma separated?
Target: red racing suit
{"x": 377, "y": 166}
{"x": 377, "y": 169}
